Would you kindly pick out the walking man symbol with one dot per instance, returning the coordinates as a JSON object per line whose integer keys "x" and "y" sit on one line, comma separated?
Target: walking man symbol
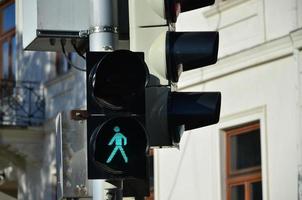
{"x": 119, "y": 139}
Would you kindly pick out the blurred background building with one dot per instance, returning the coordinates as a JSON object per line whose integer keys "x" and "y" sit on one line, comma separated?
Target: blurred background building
{"x": 34, "y": 87}
{"x": 254, "y": 153}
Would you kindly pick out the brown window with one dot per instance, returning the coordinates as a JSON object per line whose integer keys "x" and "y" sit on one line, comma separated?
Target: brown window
{"x": 7, "y": 40}
{"x": 243, "y": 160}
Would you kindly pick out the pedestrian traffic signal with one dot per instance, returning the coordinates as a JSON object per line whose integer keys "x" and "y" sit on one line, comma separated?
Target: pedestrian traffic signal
{"x": 117, "y": 140}
{"x": 120, "y": 140}
{"x": 118, "y": 146}
{"x": 127, "y": 112}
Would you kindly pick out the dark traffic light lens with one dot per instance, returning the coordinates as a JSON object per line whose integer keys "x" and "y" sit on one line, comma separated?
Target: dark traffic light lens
{"x": 190, "y": 50}
{"x": 119, "y": 80}
{"x": 194, "y": 109}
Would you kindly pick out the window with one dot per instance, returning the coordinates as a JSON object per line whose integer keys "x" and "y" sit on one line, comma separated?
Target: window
{"x": 243, "y": 160}
{"x": 7, "y": 40}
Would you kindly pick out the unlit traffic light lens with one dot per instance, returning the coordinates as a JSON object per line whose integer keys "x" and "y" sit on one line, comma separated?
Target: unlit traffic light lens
{"x": 119, "y": 80}
{"x": 194, "y": 109}
{"x": 190, "y": 50}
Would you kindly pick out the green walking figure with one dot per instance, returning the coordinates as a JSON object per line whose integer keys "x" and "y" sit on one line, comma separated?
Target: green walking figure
{"x": 119, "y": 139}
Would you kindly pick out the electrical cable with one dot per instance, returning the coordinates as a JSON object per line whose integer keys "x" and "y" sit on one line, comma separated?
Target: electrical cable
{"x": 219, "y": 17}
{"x": 77, "y": 50}
{"x": 68, "y": 60}
{"x": 179, "y": 166}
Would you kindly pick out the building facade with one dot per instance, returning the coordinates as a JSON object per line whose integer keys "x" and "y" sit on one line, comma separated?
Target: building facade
{"x": 254, "y": 153}
{"x": 34, "y": 88}
{"x": 255, "y": 150}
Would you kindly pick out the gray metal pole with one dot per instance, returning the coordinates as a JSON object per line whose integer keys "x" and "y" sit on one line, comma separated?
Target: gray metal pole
{"x": 103, "y": 21}
{"x": 102, "y": 37}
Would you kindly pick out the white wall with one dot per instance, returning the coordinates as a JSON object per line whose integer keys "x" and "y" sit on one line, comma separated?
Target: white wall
{"x": 271, "y": 86}
{"x": 245, "y": 23}
{"x": 281, "y": 17}
{"x": 240, "y": 24}
{"x": 259, "y": 80}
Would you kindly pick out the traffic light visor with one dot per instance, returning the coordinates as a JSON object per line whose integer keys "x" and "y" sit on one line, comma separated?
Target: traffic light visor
{"x": 194, "y": 109}
{"x": 187, "y": 5}
{"x": 190, "y": 50}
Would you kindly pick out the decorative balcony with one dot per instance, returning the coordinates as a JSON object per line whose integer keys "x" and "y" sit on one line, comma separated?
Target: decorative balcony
{"x": 22, "y": 103}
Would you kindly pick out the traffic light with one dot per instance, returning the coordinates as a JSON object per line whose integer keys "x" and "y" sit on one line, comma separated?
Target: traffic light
{"x": 183, "y": 51}
{"x": 168, "y": 53}
{"x": 170, "y": 9}
{"x": 132, "y": 100}
{"x": 117, "y": 140}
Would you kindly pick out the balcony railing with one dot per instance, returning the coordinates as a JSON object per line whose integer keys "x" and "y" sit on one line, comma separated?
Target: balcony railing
{"x": 22, "y": 103}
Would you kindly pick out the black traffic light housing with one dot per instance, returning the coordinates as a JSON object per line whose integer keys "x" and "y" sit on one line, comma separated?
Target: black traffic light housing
{"x": 126, "y": 115}
{"x": 194, "y": 109}
{"x": 116, "y": 137}
{"x": 183, "y": 51}
{"x": 174, "y": 7}
{"x": 189, "y": 50}
{"x": 187, "y": 5}
{"x": 117, "y": 81}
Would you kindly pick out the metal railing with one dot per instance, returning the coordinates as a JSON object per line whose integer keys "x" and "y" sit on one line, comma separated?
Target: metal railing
{"x": 22, "y": 103}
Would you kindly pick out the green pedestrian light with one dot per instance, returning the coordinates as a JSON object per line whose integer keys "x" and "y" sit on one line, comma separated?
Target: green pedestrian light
{"x": 119, "y": 150}
{"x": 117, "y": 139}
{"x": 120, "y": 140}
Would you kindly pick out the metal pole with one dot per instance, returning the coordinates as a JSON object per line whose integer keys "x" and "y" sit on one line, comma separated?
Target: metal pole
{"x": 103, "y": 20}
{"x": 117, "y": 192}
{"x": 102, "y": 34}
{"x": 98, "y": 189}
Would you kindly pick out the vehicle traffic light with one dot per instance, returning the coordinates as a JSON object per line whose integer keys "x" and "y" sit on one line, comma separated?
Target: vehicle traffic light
{"x": 175, "y": 52}
{"x": 117, "y": 140}
{"x": 168, "y": 53}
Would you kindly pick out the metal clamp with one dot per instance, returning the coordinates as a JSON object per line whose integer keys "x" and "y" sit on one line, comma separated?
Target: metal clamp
{"x": 100, "y": 29}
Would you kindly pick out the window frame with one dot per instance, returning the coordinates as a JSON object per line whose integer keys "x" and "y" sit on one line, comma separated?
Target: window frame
{"x": 234, "y": 132}
{"x": 247, "y": 183}
{"x": 7, "y": 37}
{"x": 244, "y": 177}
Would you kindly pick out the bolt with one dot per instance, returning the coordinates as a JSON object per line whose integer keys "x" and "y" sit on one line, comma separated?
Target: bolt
{"x": 77, "y": 190}
{"x": 84, "y": 190}
{"x": 80, "y": 190}
{"x": 108, "y": 48}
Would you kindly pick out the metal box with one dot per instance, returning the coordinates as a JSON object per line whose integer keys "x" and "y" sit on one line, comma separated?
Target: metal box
{"x": 71, "y": 158}
{"x": 46, "y": 22}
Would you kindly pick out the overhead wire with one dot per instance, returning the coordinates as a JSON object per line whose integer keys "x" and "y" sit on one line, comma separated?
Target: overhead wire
{"x": 179, "y": 166}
